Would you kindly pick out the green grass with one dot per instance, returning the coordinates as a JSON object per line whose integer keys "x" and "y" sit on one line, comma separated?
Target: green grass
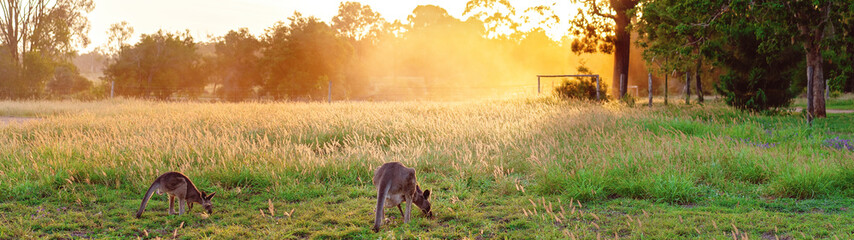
{"x": 520, "y": 169}
{"x": 843, "y": 102}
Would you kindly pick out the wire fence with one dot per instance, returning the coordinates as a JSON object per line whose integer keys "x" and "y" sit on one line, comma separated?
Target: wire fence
{"x": 419, "y": 90}
{"x": 334, "y": 93}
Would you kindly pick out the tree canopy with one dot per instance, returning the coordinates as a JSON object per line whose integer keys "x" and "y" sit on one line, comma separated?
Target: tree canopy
{"x": 36, "y": 37}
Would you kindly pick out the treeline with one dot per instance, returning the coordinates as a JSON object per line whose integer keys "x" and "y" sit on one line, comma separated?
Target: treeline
{"x": 430, "y": 56}
{"x": 37, "y": 41}
{"x": 766, "y": 50}
{"x": 756, "y": 54}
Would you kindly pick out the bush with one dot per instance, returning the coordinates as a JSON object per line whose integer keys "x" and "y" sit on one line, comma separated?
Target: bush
{"x": 758, "y": 77}
{"x": 581, "y": 88}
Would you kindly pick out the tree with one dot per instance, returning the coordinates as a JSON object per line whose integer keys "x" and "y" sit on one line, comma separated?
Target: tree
{"x": 363, "y": 28}
{"x": 602, "y": 26}
{"x": 67, "y": 80}
{"x": 840, "y": 58}
{"x": 498, "y": 16}
{"x": 159, "y": 66}
{"x": 300, "y": 58}
{"x": 678, "y": 32}
{"x": 760, "y": 57}
{"x": 36, "y": 35}
{"x": 237, "y": 58}
{"x": 758, "y": 77}
{"x": 808, "y": 22}
{"x": 357, "y": 22}
{"x": 117, "y": 36}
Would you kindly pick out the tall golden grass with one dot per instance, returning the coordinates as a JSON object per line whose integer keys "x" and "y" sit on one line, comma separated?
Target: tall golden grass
{"x": 581, "y": 149}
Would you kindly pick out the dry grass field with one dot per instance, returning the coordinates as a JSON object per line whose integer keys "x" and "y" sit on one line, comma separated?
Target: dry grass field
{"x": 521, "y": 168}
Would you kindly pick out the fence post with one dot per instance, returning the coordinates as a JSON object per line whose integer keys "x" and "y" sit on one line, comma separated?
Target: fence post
{"x": 538, "y": 84}
{"x": 649, "y": 88}
{"x": 598, "y": 89}
{"x": 112, "y": 88}
{"x": 329, "y": 97}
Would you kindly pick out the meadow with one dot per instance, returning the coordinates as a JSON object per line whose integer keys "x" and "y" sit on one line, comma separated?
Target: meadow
{"x": 534, "y": 167}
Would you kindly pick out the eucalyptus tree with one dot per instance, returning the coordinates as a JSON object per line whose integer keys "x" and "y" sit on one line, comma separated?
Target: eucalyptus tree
{"x": 809, "y": 24}
{"x": 35, "y": 36}
{"x": 299, "y": 58}
{"x": 158, "y": 66}
{"x": 603, "y": 26}
{"x": 237, "y": 64}
{"x": 676, "y": 32}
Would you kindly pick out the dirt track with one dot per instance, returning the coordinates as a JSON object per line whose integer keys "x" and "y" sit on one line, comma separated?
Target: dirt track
{"x": 7, "y": 120}
{"x": 830, "y": 110}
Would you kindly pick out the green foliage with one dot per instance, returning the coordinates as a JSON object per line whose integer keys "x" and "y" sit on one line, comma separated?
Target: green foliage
{"x": 629, "y": 100}
{"x": 358, "y": 22}
{"x": 759, "y": 76}
{"x": 67, "y": 80}
{"x": 602, "y": 26}
{"x": 39, "y": 36}
{"x": 160, "y": 65}
{"x": 297, "y": 55}
{"x": 581, "y": 88}
{"x": 673, "y": 33}
{"x": 237, "y": 64}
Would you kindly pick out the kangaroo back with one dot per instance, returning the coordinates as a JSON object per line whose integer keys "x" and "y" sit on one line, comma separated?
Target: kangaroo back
{"x": 154, "y": 187}
{"x": 382, "y": 191}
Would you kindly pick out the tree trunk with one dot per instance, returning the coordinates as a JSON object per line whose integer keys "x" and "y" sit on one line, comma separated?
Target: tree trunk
{"x": 687, "y": 87}
{"x": 699, "y": 81}
{"x": 622, "y": 45}
{"x": 814, "y": 59}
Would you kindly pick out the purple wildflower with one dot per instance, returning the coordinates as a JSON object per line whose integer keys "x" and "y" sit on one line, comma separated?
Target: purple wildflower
{"x": 840, "y": 143}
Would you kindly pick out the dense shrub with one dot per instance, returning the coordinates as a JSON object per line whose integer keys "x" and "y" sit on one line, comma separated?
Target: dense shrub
{"x": 581, "y": 88}
{"x": 759, "y": 77}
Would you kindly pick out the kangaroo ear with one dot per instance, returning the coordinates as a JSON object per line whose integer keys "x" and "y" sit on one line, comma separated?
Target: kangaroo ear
{"x": 210, "y": 196}
{"x": 427, "y": 194}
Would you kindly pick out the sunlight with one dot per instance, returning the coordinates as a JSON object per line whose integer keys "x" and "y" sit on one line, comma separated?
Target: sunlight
{"x": 207, "y": 19}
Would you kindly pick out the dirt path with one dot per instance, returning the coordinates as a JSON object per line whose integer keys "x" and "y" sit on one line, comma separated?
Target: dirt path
{"x": 7, "y": 120}
{"x": 831, "y": 110}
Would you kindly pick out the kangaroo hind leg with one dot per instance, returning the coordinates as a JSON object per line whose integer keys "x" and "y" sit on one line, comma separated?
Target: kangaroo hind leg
{"x": 408, "y": 208}
{"x": 181, "y": 204}
{"x": 171, "y": 205}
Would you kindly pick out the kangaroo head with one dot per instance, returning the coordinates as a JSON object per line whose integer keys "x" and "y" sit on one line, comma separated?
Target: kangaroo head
{"x": 422, "y": 200}
{"x": 206, "y": 202}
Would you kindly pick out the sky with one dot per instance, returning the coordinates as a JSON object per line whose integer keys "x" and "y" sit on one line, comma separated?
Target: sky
{"x": 206, "y": 18}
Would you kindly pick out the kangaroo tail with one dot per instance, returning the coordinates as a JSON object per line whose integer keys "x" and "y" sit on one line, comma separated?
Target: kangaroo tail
{"x": 147, "y": 196}
{"x": 382, "y": 191}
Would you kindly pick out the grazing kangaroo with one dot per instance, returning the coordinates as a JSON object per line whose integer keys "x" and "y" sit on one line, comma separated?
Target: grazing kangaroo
{"x": 177, "y": 185}
{"x": 395, "y": 184}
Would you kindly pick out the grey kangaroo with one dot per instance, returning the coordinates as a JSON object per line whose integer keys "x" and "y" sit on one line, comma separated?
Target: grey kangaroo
{"x": 177, "y": 185}
{"x": 395, "y": 184}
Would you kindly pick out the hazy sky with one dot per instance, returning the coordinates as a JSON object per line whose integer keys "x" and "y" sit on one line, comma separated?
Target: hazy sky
{"x": 216, "y": 17}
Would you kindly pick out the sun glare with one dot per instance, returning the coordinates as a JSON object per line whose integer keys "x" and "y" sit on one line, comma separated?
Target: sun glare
{"x": 206, "y": 19}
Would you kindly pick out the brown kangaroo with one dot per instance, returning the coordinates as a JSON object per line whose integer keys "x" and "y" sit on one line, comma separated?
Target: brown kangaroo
{"x": 395, "y": 184}
{"x": 177, "y": 185}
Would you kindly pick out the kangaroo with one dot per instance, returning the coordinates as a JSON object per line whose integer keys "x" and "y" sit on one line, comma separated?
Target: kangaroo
{"x": 395, "y": 184}
{"x": 177, "y": 185}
